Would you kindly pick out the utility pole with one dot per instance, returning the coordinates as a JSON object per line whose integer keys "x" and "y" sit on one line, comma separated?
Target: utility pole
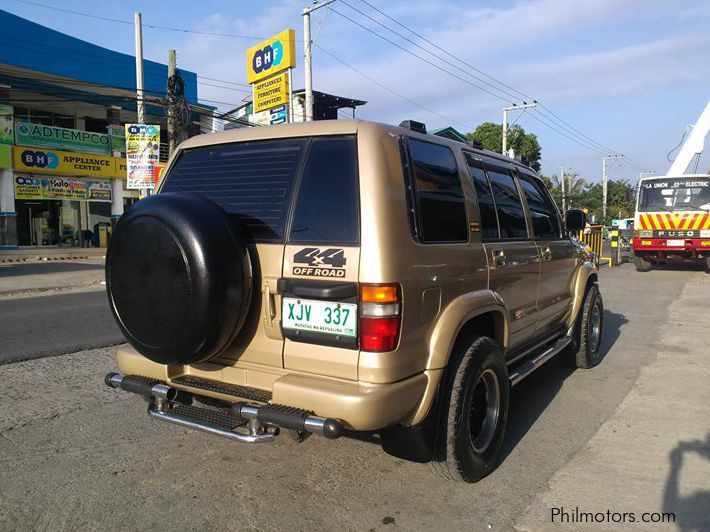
{"x": 138, "y": 23}
{"x": 562, "y": 184}
{"x": 605, "y": 181}
{"x": 308, "y": 55}
{"x": 172, "y": 133}
{"x": 505, "y": 121}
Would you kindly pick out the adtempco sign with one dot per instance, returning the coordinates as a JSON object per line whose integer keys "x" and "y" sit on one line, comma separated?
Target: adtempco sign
{"x": 271, "y": 56}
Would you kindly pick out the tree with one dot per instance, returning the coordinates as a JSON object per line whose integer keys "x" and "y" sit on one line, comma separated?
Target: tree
{"x": 526, "y": 145}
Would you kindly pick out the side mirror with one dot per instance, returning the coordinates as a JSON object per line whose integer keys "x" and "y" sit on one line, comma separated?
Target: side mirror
{"x": 575, "y": 220}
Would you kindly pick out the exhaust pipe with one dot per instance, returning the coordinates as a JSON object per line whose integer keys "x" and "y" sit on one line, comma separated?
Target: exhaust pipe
{"x": 142, "y": 386}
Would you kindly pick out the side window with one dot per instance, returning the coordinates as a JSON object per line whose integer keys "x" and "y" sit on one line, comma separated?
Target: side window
{"x": 486, "y": 205}
{"x": 545, "y": 221}
{"x": 511, "y": 216}
{"x": 438, "y": 193}
{"x": 327, "y": 205}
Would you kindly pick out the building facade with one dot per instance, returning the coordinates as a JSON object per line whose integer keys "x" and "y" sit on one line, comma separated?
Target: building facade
{"x": 63, "y": 107}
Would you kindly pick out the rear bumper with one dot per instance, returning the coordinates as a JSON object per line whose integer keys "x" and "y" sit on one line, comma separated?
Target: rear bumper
{"x": 697, "y": 245}
{"x": 360, "y": 406}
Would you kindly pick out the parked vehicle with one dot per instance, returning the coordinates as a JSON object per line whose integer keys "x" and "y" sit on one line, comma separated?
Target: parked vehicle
{"x": 672, "y": 220}
{"x": 345, "y": 276}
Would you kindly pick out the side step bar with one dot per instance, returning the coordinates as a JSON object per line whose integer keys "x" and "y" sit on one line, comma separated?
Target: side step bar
{"x": 262, "y": 421}
{"x": 530, "y": 365}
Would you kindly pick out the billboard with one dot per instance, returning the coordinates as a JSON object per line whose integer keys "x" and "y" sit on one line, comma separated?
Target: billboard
{"x": 62, "y": 188}
{"x": 59, "y": 138}
{"x": 6, "y": 118}
{"x": 41, "y": 161}
{"x": 142, "y": 155}
{"x": 271, "y": 56}
{"x": 271, "y": 92}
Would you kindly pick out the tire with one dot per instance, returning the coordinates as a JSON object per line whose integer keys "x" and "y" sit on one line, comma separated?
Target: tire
{"x": 178, "y": 278}
{"x": 589, "y": 330}
{"x": 642, "y": 265}
{"x": 471, "y": 436}
{"x": 707, "y": 264}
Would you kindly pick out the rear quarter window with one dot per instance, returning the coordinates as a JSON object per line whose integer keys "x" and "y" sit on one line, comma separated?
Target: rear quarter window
{"x": 438, "y": 193}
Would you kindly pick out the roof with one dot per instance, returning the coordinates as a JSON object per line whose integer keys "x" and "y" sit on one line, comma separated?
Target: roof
{"x": 37, "y": 48}
{"x": 329, "y": 127}
{"x": 450, "y": 133}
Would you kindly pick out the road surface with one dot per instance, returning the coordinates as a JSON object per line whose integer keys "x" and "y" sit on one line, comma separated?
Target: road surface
{"x": 36, "y": 327}
{"x": 627, "y": 436}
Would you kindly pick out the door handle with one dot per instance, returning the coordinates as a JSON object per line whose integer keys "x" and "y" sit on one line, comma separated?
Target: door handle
{"x": 499, "y": 258}
{"x": 546, "y": 254}
{"x": 271, "y": 313}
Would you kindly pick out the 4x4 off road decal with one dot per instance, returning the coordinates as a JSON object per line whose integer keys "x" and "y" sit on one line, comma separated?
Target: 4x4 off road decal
{"x": 320, "y": 262}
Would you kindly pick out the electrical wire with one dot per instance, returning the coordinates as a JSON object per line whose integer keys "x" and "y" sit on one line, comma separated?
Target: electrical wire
{"x": 391, "y": 91}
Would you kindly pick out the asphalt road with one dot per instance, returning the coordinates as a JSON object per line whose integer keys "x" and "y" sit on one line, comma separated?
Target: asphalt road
{"x": 37, "y": 327}
{"x": 77, "y": 455}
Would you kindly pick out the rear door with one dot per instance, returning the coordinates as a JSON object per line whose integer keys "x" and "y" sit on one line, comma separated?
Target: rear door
{"x": 556, "y": 254}
{"x": 321, "y": 263}
{"x": 513, "y": 257}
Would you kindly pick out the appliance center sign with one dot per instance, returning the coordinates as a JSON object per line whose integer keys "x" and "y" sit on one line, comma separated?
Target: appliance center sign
{"x": 142, "y": 155}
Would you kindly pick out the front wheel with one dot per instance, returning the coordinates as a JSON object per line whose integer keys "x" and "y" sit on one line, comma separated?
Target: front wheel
{"x": 477, "y": 395}
{"x": 642, "y": 264}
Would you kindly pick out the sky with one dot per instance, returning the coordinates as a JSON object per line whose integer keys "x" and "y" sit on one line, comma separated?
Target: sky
{"x": 631, "y": 75}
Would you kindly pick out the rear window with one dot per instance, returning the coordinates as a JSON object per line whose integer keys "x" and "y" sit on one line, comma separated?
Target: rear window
{"x": 438, "y": 193}
{"x": 256, "y": 181}
{"x": 327, "y": 206}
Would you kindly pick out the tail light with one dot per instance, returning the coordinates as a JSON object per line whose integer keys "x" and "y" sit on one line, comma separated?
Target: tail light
{"x": 380, "y": 316}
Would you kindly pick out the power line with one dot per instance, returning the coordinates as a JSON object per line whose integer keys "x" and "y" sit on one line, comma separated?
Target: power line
{"x": 392, "y": 91}
{"x": 397, "y": 45}
{"x": 151, "y": 26}
{"x": 561, "y": 123}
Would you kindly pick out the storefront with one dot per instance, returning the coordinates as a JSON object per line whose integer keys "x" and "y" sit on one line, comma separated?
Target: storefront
{"x": 66, "y": 198}
{"x": 51, "y": 211}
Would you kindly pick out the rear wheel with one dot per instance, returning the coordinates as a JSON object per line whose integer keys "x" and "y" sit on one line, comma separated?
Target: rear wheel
{"x": 642, "y": 264}
{"x": 475, "y": 413}
{"x": 707, "y": 264}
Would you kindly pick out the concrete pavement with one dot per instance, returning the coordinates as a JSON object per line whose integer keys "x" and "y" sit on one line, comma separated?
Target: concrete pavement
{"x": 76, "y": 455}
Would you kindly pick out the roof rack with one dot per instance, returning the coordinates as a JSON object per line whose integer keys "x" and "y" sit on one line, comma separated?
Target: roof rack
{"x": 413, "y": 125}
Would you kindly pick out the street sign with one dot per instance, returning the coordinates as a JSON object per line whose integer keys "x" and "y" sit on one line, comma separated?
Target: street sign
{"x": 271, "y": 56}
{"x": 271, "y": 92}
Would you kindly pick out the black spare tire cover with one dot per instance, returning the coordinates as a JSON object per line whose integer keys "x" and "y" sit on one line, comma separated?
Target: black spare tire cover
{"x": 178, "y": 278}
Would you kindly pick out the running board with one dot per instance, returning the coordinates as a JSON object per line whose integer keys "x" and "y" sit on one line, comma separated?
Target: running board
{"x": 530, "y": 365}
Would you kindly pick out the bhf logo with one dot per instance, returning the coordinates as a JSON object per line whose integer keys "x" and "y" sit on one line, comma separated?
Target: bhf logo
{"x": 269, "y": 56}
{"x": 39, "y": 159}
{"x": 142, "y": 129}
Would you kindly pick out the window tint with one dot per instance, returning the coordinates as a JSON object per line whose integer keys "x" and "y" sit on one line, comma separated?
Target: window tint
{"x": 543, "y": 213}
{"x": 438, "y": 193}
{"x": 486, "y": 205}
{"x": 252, "y": 180}
{"x": 511, "y": 216}
{"x": 327, "y": 205}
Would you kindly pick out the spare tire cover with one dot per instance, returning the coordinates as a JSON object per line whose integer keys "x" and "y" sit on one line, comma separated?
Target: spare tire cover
{"x": 178, "y": 278}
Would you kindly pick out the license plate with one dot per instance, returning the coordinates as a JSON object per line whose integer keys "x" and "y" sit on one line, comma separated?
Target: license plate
{"x": 675, "y": 243}
{"x": 319, "y": 316}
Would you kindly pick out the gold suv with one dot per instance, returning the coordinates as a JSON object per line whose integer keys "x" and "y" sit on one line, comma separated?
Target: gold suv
{"x": 344, "y": 276}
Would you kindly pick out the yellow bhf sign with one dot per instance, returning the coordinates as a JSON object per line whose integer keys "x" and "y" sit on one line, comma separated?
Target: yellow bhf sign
{"x": 271, "y": 92}
{"x": 58, "y": 162}
{"x": 271, "y": 56}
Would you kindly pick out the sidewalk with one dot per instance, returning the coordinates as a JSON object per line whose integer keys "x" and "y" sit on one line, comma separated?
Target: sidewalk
{"x": 653, "y": 454}
{"x": 46, "y": 254}
{"x": 32, "y": 278}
